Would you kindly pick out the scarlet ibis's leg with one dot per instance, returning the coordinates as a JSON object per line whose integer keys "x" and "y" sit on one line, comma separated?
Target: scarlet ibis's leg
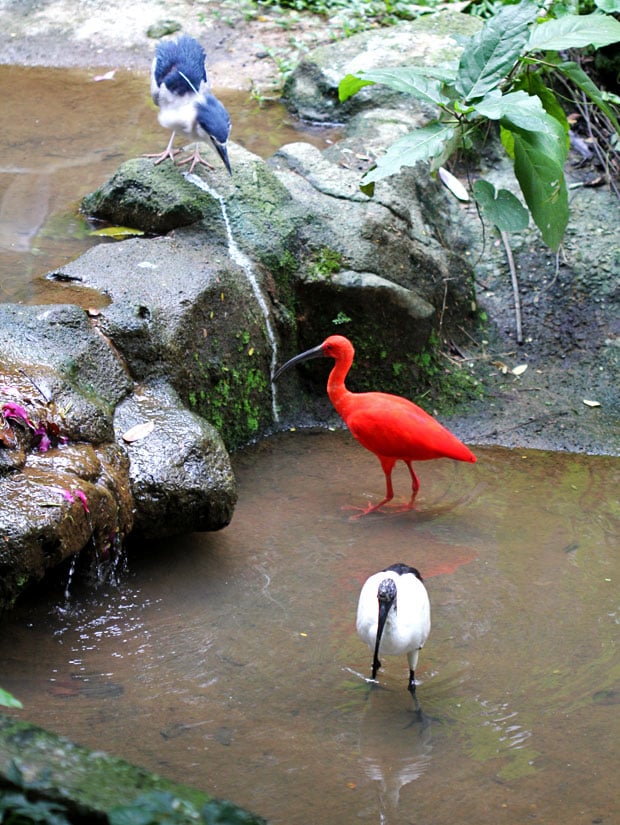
{"x": 415, "y": 485}
{"x": 388, "y": 466}
{"x": 194, "y": 159}
{"x": 168, "y": 152}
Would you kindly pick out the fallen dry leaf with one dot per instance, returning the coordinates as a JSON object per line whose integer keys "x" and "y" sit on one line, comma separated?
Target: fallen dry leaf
{"x": 453, "y": 184}
{"x": 107, "y": 76}
{"x": 138, "y": 432}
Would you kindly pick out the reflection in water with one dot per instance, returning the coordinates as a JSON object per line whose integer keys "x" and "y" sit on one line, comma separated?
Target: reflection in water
{"x": 395, "y": 749}
{"x": 230, "y": 661}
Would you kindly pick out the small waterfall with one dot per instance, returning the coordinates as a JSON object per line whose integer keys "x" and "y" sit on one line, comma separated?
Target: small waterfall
{"x": 242, "y": 260}
{"x": 70, "y": 578}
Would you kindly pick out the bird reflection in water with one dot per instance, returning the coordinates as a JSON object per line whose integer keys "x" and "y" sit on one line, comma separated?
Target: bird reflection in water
{"x": 395, "y": 750}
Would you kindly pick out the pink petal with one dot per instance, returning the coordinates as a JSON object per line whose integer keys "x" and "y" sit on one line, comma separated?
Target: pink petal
{"x": 12, "y": 410}
{"x": 82, "y": 497}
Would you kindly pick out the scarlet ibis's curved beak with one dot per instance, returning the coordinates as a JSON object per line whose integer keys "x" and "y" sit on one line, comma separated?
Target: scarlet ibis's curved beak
{"x": 315, "y": 352}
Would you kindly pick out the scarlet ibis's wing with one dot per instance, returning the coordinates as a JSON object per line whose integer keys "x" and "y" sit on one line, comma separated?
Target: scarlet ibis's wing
{"x": 389, "y": 425}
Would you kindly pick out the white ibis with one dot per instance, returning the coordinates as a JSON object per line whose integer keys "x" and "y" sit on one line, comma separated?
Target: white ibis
{"x": 394, "y": 616}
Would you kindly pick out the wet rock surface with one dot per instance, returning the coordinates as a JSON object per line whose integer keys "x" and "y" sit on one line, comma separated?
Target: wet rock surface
{"x": 88, "y": 785}
{"x": 67, "y": 483}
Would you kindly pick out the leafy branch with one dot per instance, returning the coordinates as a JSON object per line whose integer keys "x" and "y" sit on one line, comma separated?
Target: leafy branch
{"x": 504, "y": 76}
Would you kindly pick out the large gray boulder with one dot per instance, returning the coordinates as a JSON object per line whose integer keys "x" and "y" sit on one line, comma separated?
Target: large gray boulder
{"x": 69, "y": 480}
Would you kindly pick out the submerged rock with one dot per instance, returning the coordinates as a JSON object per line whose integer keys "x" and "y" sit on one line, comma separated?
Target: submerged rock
{"x": 88, "y": 785}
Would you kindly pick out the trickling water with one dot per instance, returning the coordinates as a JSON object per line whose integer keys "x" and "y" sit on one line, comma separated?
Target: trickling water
{"x": 242, "y": 260}
{"x": 70, "y": 577}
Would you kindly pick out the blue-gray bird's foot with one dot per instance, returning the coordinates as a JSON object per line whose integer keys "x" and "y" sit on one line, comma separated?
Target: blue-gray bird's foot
{"x": 160, "y": 157}
{"x": 193, "y": 160}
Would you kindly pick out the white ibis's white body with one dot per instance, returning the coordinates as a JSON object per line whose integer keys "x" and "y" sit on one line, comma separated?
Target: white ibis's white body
{"x": 407, "y": 613}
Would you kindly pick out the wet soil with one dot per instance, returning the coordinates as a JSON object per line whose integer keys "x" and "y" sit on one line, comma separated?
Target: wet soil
{"x": 567, "y": 398}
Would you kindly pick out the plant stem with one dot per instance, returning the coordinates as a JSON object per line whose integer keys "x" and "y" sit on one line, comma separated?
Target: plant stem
{"x": 515, "y": 284}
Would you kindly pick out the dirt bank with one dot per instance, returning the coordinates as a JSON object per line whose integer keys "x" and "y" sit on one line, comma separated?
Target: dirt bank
{"x": 567, "y": 398}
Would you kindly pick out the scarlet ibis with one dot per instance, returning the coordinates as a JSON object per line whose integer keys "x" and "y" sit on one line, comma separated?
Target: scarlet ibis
{"x": 179, "y": 87}
{"x": 394, "y": 616}
{"x": 391, "y": 427}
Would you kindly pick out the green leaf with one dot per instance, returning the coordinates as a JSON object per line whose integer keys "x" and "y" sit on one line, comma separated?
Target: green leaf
{"x": 350, "y": 85}
{"x": 610, "y": 6}
{"x": 533, "y": 84}
{"x": 419, "y": 145}
{"x": 519, "y": 109}
{"x": 423, "y": 84}
{"x": 574, "y": 31}
{"x": 508, "y": 141}
{"x": 542, "y": 182}
{"x": 492, "y": 53}
{"x": 7, "y": 700}
{"x": 576, "y": 75}
{"x": 501, "y": 207}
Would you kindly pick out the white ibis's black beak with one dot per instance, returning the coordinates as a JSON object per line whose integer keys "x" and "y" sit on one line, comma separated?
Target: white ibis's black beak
{"x": 386, "y": 596}
{"x": 315, "y": 352}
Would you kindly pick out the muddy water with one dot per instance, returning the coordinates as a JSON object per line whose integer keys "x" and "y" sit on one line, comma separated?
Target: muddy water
{"x": 63, "y": 134}
{"x": 230, "y": 661}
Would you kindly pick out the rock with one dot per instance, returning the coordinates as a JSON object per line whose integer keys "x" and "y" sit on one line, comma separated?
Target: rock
{"x": 183, "y": 310}
{"x": 154, "y": 199}
{"x": 66, "y": 485}
{"x": 312, "y": 89}
{"x": 58, "y": 503}
{"x": 180, "y": 473}
{"x": 52, "y": 355}
{"x": 88, "y": 785}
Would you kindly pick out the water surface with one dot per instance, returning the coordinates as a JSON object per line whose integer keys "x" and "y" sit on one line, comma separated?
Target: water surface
{"x": 230, "y": 661}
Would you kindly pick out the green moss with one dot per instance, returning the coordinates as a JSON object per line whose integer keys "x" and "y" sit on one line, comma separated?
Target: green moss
{"x": 341, "y": 318}
{"x": 236, "y": 400}
{"x": 84, "y": 785}
{"x": 325, "y": 262}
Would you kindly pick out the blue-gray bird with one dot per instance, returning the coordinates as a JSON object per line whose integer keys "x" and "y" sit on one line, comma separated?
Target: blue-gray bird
{"x": 179, "y": 87}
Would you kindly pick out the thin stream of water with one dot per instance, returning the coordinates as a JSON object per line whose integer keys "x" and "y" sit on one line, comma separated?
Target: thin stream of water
{"x": 242, "y": 260}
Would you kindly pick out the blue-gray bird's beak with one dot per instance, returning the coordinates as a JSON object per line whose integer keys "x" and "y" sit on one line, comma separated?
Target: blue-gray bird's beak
{"x": 222, "y": 152}
{"x": 315, "y": 352}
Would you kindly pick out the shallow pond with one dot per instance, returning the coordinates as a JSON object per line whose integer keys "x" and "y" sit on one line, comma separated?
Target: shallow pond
{"x": 230, "y": 661}
{"x": 63, "y": 134}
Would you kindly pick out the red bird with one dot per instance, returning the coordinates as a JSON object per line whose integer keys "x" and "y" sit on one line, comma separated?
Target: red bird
{"x": 391, "y": 427}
